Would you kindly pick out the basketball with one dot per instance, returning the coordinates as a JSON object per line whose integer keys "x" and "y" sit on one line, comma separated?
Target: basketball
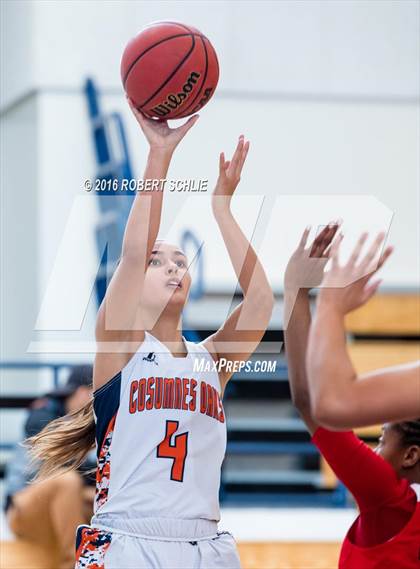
{"x": 169, "y": 70}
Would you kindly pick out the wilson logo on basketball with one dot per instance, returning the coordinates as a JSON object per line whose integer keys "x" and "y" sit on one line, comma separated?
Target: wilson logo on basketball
{"x": 203, "y": 100}
{"x": 173, "y": 101}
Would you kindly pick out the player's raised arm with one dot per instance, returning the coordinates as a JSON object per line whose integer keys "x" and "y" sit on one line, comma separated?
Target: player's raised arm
{"x": 340, "y": 398}
{"x": 117, "y": 312}
{"x": 304, "y": 271}
{"x": 240, "y": 335}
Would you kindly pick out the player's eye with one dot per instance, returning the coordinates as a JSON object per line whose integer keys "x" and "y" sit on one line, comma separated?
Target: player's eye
{"x": 180, "y": 264}
{"x": 154, "y": 262}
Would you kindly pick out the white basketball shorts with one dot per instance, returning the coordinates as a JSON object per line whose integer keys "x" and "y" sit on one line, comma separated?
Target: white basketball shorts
{"x": 152, "y": 543}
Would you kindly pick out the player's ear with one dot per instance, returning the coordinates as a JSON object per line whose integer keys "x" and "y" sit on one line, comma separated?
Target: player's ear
{"x": 411, "y": 456}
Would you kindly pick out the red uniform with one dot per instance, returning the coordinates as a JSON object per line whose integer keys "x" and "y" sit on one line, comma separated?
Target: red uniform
{"x": 386, "y": 534}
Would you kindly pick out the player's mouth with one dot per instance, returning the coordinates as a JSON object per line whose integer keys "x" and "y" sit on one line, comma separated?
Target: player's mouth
{"x": 174, "y": 283}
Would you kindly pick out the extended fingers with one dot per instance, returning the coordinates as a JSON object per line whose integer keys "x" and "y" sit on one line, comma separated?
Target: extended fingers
{"x": 138, "y": 114}
{"x": 238, "y": 151}
{"x": 304, "y": 238}
{"x": 223, "y": 163}
{"x": 316, "y": 245}
{"x": 239, "y": 156}
{"x": 184, "y": 128}
{"x": 324, "y": 239}
{"x": 358, "y": 248}
{"x": 388, "y": 251}
{"x": 243, "y": 156}
{"x": 329, "y": 239}
{"x": 335, "y": 249}
{"x": 236, "y": 158}
{"x": 372, "y": 252}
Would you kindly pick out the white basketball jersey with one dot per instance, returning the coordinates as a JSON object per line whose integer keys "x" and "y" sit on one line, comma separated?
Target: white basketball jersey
{"x": 161, "y": 437}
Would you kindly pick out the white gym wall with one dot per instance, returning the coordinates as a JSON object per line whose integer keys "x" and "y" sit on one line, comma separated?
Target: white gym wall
{"x": 328, "y": 93}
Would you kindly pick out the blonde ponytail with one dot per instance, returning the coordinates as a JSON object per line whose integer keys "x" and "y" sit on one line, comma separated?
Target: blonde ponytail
{"x": 63, "y": 444}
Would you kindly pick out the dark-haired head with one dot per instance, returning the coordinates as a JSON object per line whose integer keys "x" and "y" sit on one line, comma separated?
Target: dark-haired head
{"x": 400, "y": 446}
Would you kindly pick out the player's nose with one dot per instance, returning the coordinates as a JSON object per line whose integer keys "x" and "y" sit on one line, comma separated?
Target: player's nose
{"x": 172, "y": 268}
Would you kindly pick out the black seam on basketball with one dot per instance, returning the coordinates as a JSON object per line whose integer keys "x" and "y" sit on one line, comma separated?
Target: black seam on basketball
{"x": 215, "y": 57}
{"x": 158, "y": 43}
{"x": 214, "y": 53}
{"x": 180, "y": 64}
{"x": 148, "y": 49}
{"x": 182, "y": 110}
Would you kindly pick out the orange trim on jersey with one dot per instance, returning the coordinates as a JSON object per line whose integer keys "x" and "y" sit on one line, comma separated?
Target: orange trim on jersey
{"x": 103, "y": 471}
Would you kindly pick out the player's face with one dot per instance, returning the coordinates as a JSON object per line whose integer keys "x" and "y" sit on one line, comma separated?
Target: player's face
{"x": 390, "y": 447}
{"x": 167, "y": 280}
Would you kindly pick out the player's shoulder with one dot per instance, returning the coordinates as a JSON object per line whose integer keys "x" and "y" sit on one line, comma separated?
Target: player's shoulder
{"x": 112, "y": 368}
{"x": 204, "y": 349}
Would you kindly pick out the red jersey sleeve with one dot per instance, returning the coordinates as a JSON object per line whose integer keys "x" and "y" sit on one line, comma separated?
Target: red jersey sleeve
{"x": 372, "y": 481}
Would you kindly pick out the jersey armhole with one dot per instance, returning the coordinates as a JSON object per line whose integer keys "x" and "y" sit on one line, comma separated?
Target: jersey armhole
{"x": 203, "y": 347}
{"x": 214, "y": 361}
{"x": 108, "y": 384}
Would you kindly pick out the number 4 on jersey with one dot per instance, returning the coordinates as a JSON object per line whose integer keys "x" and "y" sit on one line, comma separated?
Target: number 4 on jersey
{"x": 177, "y": 451}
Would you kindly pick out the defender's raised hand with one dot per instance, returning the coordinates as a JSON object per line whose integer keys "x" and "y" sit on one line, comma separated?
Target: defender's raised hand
{"x": 158, "y": 133}
{"x": 305, "y": 268}
{"x": 346, "y": 287}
